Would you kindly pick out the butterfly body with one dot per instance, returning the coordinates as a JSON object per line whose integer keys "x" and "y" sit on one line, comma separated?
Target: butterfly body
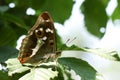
{"x": 40, "y": 43}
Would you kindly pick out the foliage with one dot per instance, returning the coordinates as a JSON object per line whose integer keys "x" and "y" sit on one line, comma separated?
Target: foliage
{"x": 115, "y": 14}
{"x": 14, "y": 22}
{"x": 81, "y": 67}
{"x": 96, "y": 18}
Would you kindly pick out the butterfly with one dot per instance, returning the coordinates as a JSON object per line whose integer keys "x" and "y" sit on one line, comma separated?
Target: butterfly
{"x": 39, "y": 45}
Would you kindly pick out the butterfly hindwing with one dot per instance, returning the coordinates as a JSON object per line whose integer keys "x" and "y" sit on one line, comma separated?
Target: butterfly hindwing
{"x": 40, "y": 43}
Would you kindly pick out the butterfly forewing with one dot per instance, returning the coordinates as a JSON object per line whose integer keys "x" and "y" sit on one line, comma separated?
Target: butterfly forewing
{"x": 40, "y": 43}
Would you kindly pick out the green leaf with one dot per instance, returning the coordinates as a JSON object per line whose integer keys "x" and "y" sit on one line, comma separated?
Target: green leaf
{"x": 3, "y": 9}
{"x": 81, "y": 67}
{"x": 68, "y": 74}
{"x": 95, "y": 15}
{"x": 7, "y": 52}
{"x": 105, "y": 2}
{"x": 56, "y": 8}
{"x": 62, "y": 73}
{"x": 116, "y": 13}
{"x": 10, "y": 32}
{"x": 4, "y": 76}
{"x": 8, "y": 36}
{"x": 14, "y": 19}
{"x": 116, "y": 56}
{"x": 59, "y": 9}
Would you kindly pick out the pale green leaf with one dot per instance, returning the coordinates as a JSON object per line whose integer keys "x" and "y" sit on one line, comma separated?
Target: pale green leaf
{"x": 39, "y": 74}
{"x": 105, "y": 53}
{"x": 36, "y": 73}
{"x": 14, "y": 66}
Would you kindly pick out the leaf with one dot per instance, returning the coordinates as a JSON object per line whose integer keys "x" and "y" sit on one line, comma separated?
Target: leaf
{"x": 116, "y": 56}
{"x": 7, "y": 52}
{"x": 99, "y": 76}
{"x": 68, "y": 75}
{"x": 36, "y": 73}
{"x": 10, "y": 32}
{"x": 105, "y": 2}
{"x": 105, "y": 53}
{"x": 14, "y": 66}
{"x": 14, "y": 19}
{"x": 81, "y": 67}
{"x": 4, "y": 76}
{"x": 116, "y": 13}
{"x": 60, "y": 73}
{"x": 6, "y": 38}
{"x": 55, "y": 8}
{"x": 39, "y": 74}
{"x": 95, "y": 15}
{"x": 60, "y": 6}
{"x": 3, "y": 9}
{"x": 63, "y": 74}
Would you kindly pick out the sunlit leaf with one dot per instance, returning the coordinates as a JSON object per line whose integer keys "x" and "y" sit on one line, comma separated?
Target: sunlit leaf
{"x": 14, "y": 66}
{"x": 104, "y": 53}
{"x": 35, "y": 73}
{"x": 39, "y": 74}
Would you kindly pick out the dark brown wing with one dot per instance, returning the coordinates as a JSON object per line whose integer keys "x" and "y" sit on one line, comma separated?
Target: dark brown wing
{"x": 40, "y": 44}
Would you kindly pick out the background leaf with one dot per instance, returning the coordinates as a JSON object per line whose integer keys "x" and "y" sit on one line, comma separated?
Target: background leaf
{"x": 7, "y": 52}
{"x": 3, "y": 9}
{"x": 95, "y": 15}
{"x": 55, "y": 8}
{"x": 81, "y": 67}
{"x": 116, "y": 13}
{"x": 10, "y": 32}
{"x": 4, "y": 76}
{"x": 60, "y": 10}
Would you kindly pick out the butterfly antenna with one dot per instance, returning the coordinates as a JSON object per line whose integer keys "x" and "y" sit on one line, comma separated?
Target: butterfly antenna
{"x": 68, "y": 42}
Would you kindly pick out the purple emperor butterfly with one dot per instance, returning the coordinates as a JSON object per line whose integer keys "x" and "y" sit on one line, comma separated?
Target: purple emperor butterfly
{"x": 40, "y": 44}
